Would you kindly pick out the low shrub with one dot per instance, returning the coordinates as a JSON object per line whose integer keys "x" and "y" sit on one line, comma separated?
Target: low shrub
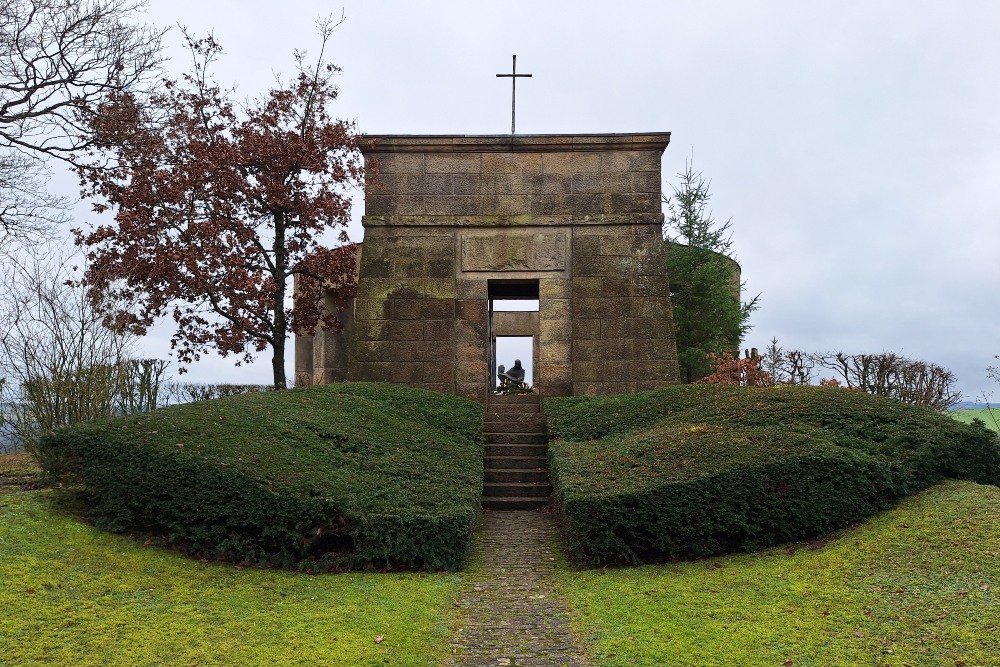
{"x": 696, "y": 470}
{"x": 351, "y": 475}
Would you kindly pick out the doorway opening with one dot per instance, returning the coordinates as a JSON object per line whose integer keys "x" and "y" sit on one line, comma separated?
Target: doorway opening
{"x": 513, "y": 312}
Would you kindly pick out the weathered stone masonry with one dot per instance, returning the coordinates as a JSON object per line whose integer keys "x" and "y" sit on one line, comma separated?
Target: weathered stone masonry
{"x": 446, "y": 215}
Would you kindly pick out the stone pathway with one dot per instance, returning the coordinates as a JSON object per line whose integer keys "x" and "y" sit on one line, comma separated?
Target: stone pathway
{"x": 511, "y": 616}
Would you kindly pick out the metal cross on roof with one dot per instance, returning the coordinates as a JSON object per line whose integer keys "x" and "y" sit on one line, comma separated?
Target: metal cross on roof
{"x": 513, "y": 89}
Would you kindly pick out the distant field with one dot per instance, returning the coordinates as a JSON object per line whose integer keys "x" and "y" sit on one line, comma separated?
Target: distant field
{"x": 968, "y": 415}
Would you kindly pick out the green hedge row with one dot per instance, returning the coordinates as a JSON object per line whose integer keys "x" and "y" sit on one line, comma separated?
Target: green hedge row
{"x": 697, "y": 470}
{"x": 352, "y": 475}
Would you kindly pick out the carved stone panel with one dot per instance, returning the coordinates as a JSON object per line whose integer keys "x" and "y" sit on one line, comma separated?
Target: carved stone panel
{"x": 538, "y": 251}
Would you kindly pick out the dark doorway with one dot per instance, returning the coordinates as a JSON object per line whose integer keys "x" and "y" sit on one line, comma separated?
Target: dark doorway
{"x": 513, "y": 312}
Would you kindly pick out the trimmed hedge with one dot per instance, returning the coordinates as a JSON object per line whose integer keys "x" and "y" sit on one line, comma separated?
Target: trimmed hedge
{"x": 697, "y": 470}
{"x": 351, "y": 475}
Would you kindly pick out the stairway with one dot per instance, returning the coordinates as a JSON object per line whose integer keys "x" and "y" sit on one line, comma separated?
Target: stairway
{"x": 517, "y": 466}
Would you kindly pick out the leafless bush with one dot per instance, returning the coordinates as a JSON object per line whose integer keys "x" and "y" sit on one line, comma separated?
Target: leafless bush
{"x": 884, "y": 374}
{"x": 142, "y": 385}
{"x": 191, "y": 392}
{"x": 787, "y": 366}
{"x": 59, "y": 363}
{"x": 889, "y": 374}
{"x": 993, "y": 372}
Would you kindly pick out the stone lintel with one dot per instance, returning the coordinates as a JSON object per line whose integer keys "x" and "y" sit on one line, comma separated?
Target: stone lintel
{"x": 525, "y": 251}
{"x": 374, "y": 144}
{"x": 510, "y": 220}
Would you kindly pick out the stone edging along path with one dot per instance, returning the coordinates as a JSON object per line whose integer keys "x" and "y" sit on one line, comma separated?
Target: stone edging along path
{"x": 511, "y": 616}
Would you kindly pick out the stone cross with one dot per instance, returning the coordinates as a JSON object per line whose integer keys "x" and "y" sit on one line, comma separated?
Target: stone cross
{"x": 513, "y": 89}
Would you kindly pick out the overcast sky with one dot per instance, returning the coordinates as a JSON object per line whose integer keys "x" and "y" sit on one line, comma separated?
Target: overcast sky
{"x": 855, "y": 144}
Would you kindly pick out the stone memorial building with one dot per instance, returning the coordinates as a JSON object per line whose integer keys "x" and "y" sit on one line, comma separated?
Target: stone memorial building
{"x": 570, "y": 225}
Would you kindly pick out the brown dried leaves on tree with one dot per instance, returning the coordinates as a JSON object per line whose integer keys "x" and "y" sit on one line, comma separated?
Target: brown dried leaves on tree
{"x": 217, "y": 208}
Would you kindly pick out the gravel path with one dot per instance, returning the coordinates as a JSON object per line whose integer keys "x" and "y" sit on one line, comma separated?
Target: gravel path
{"x": 512, "y": 617}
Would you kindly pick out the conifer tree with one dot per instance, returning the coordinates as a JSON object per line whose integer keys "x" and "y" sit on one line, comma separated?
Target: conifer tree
{"x": 704, "y": 281}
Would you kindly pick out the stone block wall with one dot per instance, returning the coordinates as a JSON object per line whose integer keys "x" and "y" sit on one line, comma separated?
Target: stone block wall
{"x": 472, "y": 339}
{"x": 578, "y": 214}
{"x": 623, "y": 332}
{"x": 405, "y": 309}
{"x": 572, "y": 176}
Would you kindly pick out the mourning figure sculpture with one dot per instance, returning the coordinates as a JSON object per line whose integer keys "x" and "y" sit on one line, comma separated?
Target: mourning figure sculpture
{"x": 515, "y": 376}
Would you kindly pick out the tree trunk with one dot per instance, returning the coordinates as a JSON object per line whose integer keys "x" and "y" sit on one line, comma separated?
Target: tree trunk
{"x": 278, "y": 361}
{"x": 280, "y": 330}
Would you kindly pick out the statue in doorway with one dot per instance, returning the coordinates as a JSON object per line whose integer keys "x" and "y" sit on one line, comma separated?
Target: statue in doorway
{"x": 512, "y": 378}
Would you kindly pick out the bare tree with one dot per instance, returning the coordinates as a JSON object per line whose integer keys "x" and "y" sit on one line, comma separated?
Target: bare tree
{"x": 889, "y": 374}
{"x": 59, "y": 61}
{"x": 787, "y": 366}
{"x": 27, "y": 211}
{"x": 800, "y": 367}
{"x": 993, "y": 372}
{"x": 59, "y": 364}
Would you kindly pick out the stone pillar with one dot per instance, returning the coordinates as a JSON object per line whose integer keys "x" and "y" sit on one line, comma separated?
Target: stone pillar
{"x": 472, "y": 340}
{"x": 555, "y": 337}
{"x": 330, "y": 353}
{"x": 304, "y": 361}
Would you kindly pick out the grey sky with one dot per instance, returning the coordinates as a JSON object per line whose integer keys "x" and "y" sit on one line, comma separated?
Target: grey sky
{"x": 854, "y": 144}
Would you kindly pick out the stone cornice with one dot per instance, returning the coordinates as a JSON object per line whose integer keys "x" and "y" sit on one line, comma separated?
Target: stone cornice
{"x": 511, "y": 220}
{"x": 374, "y": 144}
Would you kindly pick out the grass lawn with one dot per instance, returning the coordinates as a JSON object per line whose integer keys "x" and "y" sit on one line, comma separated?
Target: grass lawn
{"x": 73, "y": 595}
{"x": 917, "y": 585}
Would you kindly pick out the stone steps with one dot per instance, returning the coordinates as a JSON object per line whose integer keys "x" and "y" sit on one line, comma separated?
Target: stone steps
{"x": 495, "y": 416}
{"x": 517, "y": 475}
{"x": 511, "y": 462}
{"x": 516, "y": 463}
{"x": 539, "y": 451}
{"x": 521, "y": 408}
{"x": 516, "y": 489}
{"x": 516, "y": 438}
{"x": 515, "y": 504}
{"x": 500, "y": 426}
{"x": 515, "y": 399}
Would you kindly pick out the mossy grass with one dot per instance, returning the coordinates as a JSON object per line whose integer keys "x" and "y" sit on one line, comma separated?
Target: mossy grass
{"x": 917, "y": 585}
{"x": 75, "y": 595}
{"x": 19, "y": 472}
{"x": 352, "y": 475}
{"x": 695, "y": 470}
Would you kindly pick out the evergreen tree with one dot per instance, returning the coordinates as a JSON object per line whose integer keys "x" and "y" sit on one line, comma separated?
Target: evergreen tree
{"x": 704, "y": 279}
